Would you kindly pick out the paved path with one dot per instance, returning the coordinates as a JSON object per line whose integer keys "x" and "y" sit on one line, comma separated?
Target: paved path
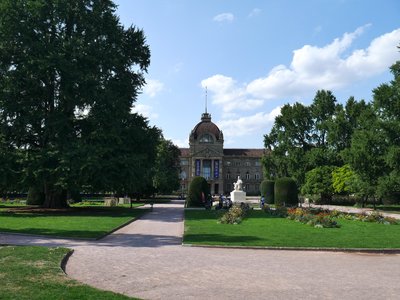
{"x": 145, "y": 259}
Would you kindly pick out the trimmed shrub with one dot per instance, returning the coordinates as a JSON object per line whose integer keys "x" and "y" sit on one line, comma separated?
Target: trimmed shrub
{"x": 197, "y": 187}
{"x": 267, "y": 190}
{"x": 35, "y": 196}
{"x": 285, "y": 191}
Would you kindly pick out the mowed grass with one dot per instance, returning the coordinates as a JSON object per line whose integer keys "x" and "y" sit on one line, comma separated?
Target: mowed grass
{"x": 257, "y": 229}
{"x": 34, "y": 273}
{"x": 85, "y": 222}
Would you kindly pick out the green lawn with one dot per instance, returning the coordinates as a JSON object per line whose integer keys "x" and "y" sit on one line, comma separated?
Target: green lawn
{"x": 34, "y": 273}
{"x": 201, "y": 227}
{"x": 85, "y": 222}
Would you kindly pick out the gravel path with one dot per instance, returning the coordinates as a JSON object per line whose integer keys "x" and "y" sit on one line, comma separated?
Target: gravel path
{"x": 145, "y": 259}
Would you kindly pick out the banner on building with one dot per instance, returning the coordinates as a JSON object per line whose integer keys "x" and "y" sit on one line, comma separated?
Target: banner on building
{"x": 216, "y": 169}
{"x": 197, "y": 169}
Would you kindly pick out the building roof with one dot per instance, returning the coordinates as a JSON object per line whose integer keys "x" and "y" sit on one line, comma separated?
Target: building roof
{"x": 255, "y": 153}
{"x": 206, "y": 126}
{"x": 185, "y": 152}
{"x": 244, "y": 152}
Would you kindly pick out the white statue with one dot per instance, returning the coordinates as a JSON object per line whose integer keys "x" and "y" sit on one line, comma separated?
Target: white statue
{"x": 238, "y": 185}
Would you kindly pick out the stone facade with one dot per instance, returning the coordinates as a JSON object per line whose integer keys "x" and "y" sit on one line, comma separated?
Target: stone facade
{"x": 207, "y": 157}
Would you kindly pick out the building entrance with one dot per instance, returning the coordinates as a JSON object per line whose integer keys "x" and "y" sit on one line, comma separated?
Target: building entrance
{"x": 216, "y": 189}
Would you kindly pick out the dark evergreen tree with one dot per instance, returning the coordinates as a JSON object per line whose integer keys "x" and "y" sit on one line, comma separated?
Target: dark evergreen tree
{"x": 69, "y": 74}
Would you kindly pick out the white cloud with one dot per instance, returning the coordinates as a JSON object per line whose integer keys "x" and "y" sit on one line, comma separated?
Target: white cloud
{"x": 181, "y": 143}
{"x": 255, "y": 12}
{"x": 145, "y": 110}
{"x": 312, "y": 68}
{"x": 227, "y": 95}
{"x": 328, "y": 67}
{"x": 153, "y": 87}
{"x": 333, "y": 66}
{"x": 224, "y": 17}
{"x": 248, "y": 125}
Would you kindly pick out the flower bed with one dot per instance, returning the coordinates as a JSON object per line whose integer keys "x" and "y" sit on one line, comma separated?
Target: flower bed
{"x": 315, "y": 218}
{"x": 321, "y": 218}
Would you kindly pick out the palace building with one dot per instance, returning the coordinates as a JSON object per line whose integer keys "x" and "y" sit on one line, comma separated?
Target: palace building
{"x": 207, "y": 157}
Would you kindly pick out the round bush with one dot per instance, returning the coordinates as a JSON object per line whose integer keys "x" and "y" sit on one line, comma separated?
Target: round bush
{"x": 286, "y": 192}
{"x": 198, "y": 186}
{"x": 35, "y": 196}
{"x": 267, "y": 190}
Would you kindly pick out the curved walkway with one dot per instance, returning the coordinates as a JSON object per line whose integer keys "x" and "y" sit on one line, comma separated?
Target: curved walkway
{"x": 145, "y": 259}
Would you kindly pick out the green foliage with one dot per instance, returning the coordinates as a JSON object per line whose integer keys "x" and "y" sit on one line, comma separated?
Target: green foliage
{"x": 198, "y": 191}
{"x": 70, "y": 73}
{"x": 289, "y": 139}
{"x": 319, "y": 181}
{"x": 267, "y": 190}
{"x": 167, "y": 167}
{"x": 362, "y": 138}
{"x": 35, "y": 196}
{"x": 342, "y": 179}
{"x": 286, "y": 193}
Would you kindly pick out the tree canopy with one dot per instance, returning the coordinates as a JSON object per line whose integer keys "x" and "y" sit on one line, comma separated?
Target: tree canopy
{"x": 69, "y": 76}
{"x": 328, "y": 147}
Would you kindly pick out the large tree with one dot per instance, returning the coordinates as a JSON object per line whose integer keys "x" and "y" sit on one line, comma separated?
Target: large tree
{"x": 167, "y": 167}
{"x": 69, "y": 74}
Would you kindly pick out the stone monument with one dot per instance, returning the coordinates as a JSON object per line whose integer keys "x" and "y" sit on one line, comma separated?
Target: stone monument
{"x": 238, "y": 195}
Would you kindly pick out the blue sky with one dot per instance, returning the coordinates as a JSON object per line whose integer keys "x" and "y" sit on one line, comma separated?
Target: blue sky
{"x": 255, "y": 56}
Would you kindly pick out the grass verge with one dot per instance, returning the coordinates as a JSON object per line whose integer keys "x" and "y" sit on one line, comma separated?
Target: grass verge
{"x": 34, "y": 273}
{"x": 258, "y": 229}
{"x": 84, "y": 222}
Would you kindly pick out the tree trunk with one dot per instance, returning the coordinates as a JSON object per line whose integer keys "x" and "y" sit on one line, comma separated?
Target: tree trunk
{"x": 54, "y": 198}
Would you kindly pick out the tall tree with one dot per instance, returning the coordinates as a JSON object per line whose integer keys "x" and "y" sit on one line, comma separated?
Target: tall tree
{"x": 59, "y": 58}
{"x": 322, "y": 110}
{"x": 167, "y": 167}
{"x": 387, "y": 106}
{"x": 290, "y": 138}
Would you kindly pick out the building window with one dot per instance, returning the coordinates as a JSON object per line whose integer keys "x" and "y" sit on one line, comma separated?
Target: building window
{"x": 206, "y": 139}
{"x": 258, "y": 163}
{"x": 247, "y": 187}
{"x": 228, "y": 187}
{"x": 184, "y": 162}
{"x": 183, "y": 175}
{"x": 207, "y": 169}
{"x": 228, "y": 163}
{"x": 237, "y": 163}
{"x": 247, "y": 176}
{"x": 247, "y": 164}
{"x": 257, "y": 176}
{"x": 228, "y": 175}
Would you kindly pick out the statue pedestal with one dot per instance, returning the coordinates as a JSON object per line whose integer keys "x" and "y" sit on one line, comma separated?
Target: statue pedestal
{"x": 238, "y": 196}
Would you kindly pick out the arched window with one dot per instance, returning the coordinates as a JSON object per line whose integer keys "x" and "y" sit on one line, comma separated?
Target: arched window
{"x": 206, "y": 139}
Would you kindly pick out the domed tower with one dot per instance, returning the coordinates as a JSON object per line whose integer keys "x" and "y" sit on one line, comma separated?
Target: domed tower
{"x": 206, "y": 143}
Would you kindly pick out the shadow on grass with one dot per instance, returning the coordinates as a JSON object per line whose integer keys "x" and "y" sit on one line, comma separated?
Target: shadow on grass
{"x": 56, "y": 232}
{"x": 219, "y": 238}
{"x": 81, "y": 211}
